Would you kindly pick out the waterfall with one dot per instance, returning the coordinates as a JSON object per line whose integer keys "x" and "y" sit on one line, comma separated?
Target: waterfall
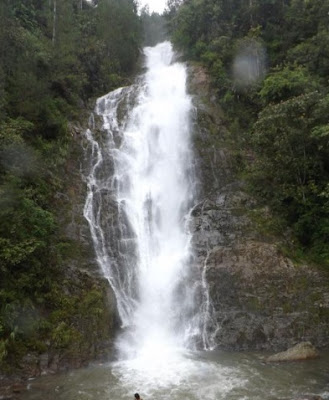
{"x": 141, "y": 202}
{"x": 141, "y": 189}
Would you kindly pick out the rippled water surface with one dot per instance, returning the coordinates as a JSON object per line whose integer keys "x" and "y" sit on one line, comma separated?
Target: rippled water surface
{"x": 206, "y": 375}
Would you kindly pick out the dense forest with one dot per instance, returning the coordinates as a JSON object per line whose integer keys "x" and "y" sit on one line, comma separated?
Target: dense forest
{"x": 54, "y": 56}
{"x": 269, "y": 64}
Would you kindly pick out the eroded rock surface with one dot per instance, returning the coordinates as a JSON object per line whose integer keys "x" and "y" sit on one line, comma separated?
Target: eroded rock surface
{"x": 302, "y": 351}
{"x": 262, "y": 300}
{"x": 85, "y": 319}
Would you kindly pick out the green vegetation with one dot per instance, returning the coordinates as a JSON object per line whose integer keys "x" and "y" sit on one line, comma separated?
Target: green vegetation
{"x": 153, "y": 27}
{"x": 269, "y": 66}
{"x": 54, "y": 56}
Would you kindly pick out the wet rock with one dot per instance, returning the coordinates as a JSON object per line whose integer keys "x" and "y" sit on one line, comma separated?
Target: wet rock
{"x": 302, "y": 351}
{"x": 261, "y": 299}
{"x": 5, "y": 391}
{"x": 30, "y": 365}
{"x": 11, "y": 388}
{"x": 54, "y": 364}
{"x": 43, "y": 361}
{"x": 18, "y": 388}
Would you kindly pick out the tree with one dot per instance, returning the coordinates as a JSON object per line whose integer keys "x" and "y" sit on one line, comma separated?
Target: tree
{"x": 291, "y": 170}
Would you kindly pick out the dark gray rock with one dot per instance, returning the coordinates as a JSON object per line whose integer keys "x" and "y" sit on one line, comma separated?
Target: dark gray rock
{"x": 261, "y": 299}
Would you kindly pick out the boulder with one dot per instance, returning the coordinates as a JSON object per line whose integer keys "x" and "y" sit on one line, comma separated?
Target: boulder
{"x": 302, "y": 351}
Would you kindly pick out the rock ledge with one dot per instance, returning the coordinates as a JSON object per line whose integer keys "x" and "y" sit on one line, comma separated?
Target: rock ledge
{"x": 302, "y": 351}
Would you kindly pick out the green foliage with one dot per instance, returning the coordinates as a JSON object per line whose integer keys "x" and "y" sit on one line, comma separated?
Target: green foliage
{"x": 287, "y": 82}
{"x": 121, "y": 30}
{"x": 24, "y": 230}
{"x": 51, "y": 64}
{"x": 282, "y": 121}
{"x": 291, "y": 171}
{"x": 153, "y": 27}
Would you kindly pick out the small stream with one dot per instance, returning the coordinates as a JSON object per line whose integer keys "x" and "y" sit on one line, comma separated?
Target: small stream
{"x": 195, "y": 375}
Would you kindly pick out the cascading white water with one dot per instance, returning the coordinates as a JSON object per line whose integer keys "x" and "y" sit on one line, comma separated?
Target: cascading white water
{"x": 141, "y": 188}
{"x": 140, "y": 195}
{"x": 156, "y": 154}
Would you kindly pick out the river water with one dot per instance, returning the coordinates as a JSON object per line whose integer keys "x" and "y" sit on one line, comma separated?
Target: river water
{"x": 142, "y": 187}
{"x": 211, "y": 375}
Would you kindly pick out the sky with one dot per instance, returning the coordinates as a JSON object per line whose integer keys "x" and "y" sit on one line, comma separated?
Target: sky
{"x": 154, "y": 5}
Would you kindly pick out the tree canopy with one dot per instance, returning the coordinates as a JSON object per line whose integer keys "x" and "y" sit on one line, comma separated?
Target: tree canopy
{"x": 269, "y": 66}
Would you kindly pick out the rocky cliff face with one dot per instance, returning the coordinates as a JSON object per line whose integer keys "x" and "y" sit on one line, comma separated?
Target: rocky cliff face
{"x": 262, "y": 299}
{"x": 85, "y": 319}
{"x": 81, "y": 318}
{"x": 83, "y": 274}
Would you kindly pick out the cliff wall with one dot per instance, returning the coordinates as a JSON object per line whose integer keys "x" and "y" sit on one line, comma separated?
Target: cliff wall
{"x": 262, "y": 299}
